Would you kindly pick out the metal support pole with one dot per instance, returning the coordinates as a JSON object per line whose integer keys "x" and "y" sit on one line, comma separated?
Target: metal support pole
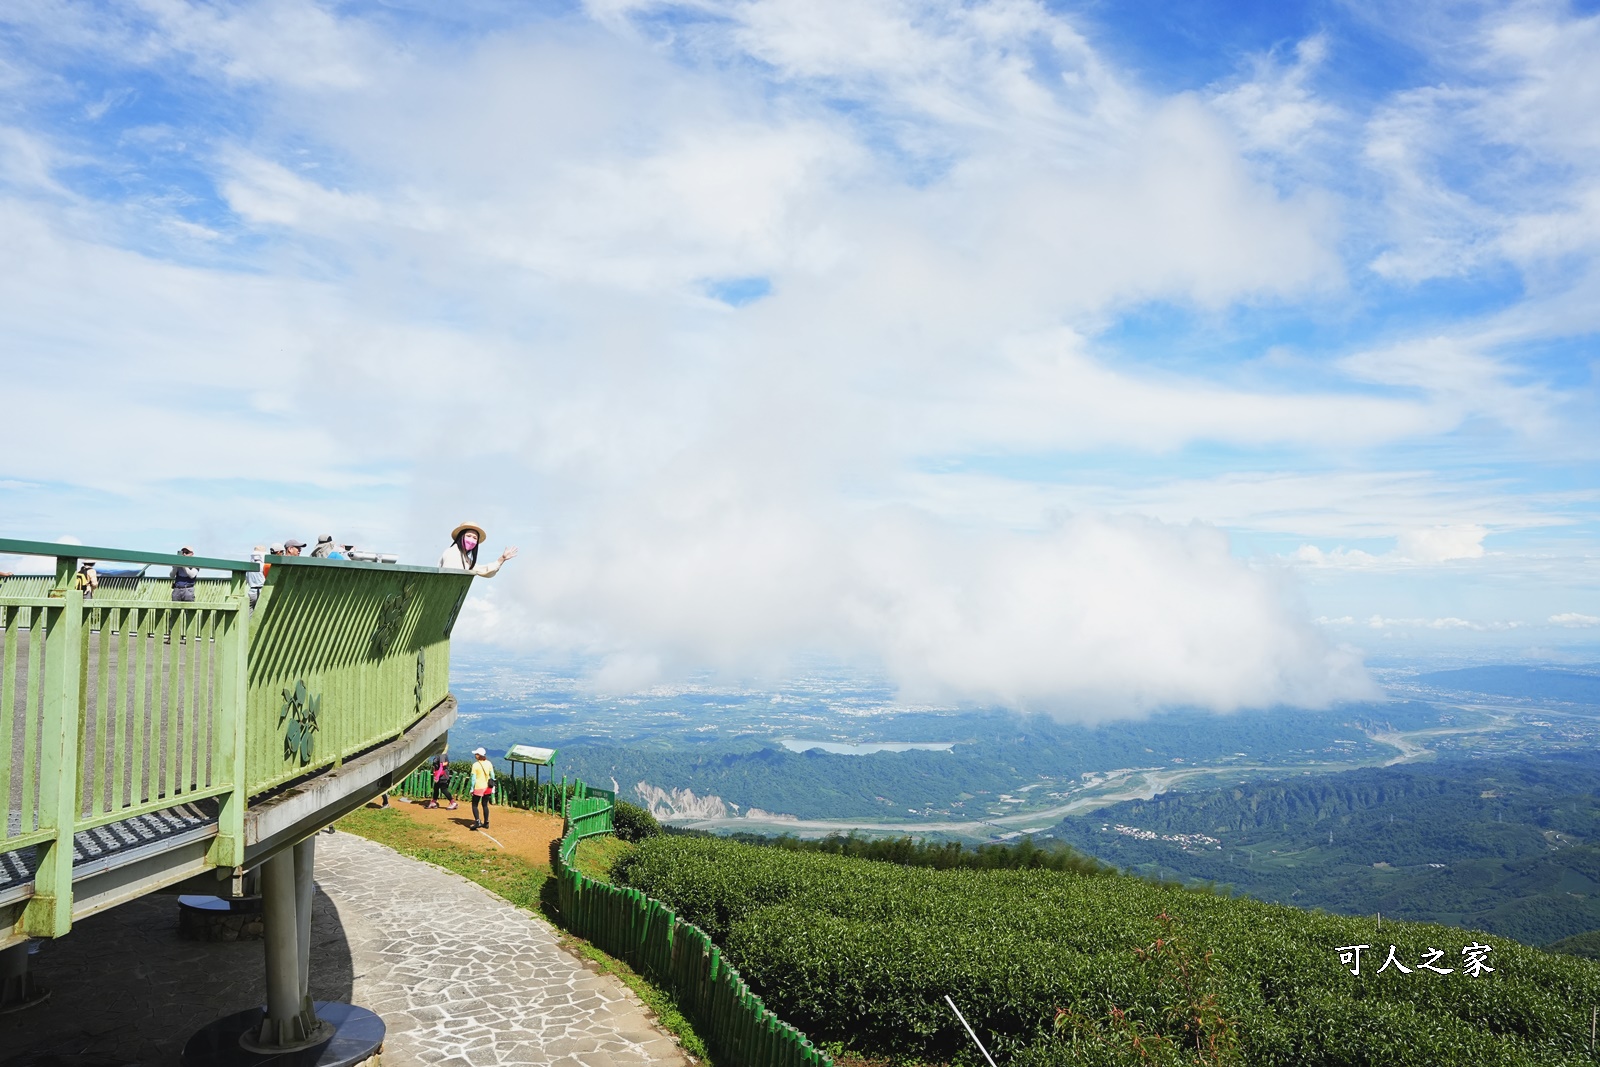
{"x": 282, "y": 945}
{"x": 18, "y": 988}
{"x": 290, "y": 1022}
{"x": 305, "y": 855}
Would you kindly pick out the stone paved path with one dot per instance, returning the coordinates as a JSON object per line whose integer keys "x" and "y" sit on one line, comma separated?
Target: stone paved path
{"x": 464, "y": 979}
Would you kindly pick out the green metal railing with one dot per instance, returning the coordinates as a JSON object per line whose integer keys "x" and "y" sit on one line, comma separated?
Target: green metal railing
{"x": 130, "y": 703}
{"x": 677, "y": 955}
{"x": 114, "y": 708}
{"x": 370, "y": 643}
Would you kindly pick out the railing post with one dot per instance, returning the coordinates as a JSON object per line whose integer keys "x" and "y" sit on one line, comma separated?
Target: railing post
{"x": 227, "y": 849}
{"x": 49, "y": 912}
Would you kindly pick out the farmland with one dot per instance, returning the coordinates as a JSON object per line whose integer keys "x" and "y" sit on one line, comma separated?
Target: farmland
{"x": 1057, "y": 967}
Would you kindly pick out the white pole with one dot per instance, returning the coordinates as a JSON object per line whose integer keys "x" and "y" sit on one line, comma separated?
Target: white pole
{"x": 970, "y": 1031}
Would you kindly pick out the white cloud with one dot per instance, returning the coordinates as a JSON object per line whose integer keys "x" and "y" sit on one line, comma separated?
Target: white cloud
{"x": 1094, "y": 617}
{"x": 1518, "y": 96}
{"x": 1421, "y": 546}
{"x": 1441, "y": 544}
{"x": 1575, "y": 619}
{"x": 1448, "y": 622}
{"x": 1276, "y": 108}
{"x": 472, "y": 277}
{"x": 1338, "y": 557}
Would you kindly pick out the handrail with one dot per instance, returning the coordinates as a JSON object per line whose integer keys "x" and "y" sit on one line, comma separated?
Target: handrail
{"x": 128, "y": 702}
{"x": 122, "y": 708}
{"x": 120, "y": 555}
{"x": 356, "y": 564}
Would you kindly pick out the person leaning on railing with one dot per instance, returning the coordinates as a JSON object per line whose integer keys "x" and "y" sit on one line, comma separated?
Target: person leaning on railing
{"x": 255, "y": 579}
{"x": 462, "y": 555}
{"x": 87, "y": 579}
{"x": 183, "y": 579}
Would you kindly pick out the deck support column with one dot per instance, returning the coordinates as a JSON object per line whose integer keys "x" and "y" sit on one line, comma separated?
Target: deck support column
{"x": 305, "y": 857}
{"x": 294, "y": 1027}
{"x": 18, "y": 988}
{"x": 290, "y": 1022}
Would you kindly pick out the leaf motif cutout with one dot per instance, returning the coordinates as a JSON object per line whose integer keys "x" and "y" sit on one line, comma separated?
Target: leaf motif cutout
{"x": 300, "y": 692}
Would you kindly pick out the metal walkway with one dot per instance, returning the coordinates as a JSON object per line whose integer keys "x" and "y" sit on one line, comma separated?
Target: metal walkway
{"x": 105, "y": 848}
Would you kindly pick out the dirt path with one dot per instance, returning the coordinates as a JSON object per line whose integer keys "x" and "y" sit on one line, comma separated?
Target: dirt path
{"x": 527, "y": 834}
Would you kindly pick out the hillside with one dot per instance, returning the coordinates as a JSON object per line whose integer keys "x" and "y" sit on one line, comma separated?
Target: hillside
{"x": 1512, "y": 847}
{"x": 862, "y": 953}
{"x": 992, "y": 755}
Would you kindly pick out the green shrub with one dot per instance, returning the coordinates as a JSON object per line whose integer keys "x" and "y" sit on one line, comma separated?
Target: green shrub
{"x": 943, "y": 855}
{"x": 863, "y": 953}
{"x": 633, "y": 823}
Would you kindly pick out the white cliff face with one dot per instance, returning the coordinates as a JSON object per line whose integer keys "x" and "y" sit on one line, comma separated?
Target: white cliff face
{"x": 672, "y": 804}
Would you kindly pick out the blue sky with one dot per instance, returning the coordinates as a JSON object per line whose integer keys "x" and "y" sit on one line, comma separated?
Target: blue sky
{"x": 1089, "y": 355}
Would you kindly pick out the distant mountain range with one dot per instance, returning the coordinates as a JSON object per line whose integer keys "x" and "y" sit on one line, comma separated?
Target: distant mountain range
{"x": 1509, "y": 846}
{"x": 1575, "y": 685}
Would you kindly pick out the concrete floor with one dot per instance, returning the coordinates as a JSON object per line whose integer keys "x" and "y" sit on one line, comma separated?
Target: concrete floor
{"x": 461, "y": 978}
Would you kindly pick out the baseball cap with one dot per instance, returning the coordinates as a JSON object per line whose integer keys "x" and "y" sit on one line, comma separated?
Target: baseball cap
{"x": 292, "y": 543}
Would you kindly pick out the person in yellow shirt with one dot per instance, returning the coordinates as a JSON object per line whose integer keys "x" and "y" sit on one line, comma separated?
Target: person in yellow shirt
{"x": 482, "y": 788}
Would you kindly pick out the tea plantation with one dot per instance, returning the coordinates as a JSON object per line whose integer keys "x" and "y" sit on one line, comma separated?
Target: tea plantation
{"x": 1057, "y": 967}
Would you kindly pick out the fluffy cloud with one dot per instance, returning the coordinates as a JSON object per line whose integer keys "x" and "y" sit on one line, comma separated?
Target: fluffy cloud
{"x": 1441, "y": 544}
{"x": 485, "y": 276}
{"x": 1575, "y": 619}
{"x": 1425, "y": 545}
{"x": 1093, "y": 617}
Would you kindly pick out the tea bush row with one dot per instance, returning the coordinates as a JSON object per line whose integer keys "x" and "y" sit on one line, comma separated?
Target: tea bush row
{"x": 863, "y": 953}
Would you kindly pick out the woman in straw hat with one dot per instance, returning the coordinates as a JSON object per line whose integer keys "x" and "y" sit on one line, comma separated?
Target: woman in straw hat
{"x": 462, "y": 555}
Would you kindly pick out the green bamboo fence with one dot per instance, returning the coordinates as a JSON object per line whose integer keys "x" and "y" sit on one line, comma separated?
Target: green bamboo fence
{"x": 677, "y": 955}
{"x": 510, "y": 790}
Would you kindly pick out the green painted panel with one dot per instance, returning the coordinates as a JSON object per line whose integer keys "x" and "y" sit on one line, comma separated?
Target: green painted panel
{"x": 369, "y": 641}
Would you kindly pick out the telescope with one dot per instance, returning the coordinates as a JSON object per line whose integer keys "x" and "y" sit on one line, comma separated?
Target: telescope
{"x": 363, "y": 556}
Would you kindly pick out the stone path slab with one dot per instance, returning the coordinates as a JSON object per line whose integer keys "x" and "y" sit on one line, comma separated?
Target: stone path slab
{"x": 464, "y": 979}
{"x": 461, "y": 978}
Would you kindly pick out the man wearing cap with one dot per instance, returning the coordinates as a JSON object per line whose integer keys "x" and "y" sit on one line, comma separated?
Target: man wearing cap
{"x": 462, "y": 555}
{"x": 292, "y": 547}
{"x": 324, "y": 546}
{"x": 482, "y": 787}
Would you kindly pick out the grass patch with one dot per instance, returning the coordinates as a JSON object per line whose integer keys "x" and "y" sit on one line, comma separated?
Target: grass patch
{"x": 530, "y": 886}
{"x": 595, "y": 855}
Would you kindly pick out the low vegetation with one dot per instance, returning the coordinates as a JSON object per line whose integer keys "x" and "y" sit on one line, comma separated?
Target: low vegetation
{"x": 940, "y": 855}
{"x": 1511, "y": 846}
{"x": 1057, "y": 968}
{"x": 630, "y": 822}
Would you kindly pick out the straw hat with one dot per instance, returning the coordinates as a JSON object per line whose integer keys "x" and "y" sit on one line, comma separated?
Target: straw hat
{"x": 455, "y": 535}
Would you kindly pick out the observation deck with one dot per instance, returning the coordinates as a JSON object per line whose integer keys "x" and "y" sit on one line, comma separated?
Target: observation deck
{"x": 172, "y": 745}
